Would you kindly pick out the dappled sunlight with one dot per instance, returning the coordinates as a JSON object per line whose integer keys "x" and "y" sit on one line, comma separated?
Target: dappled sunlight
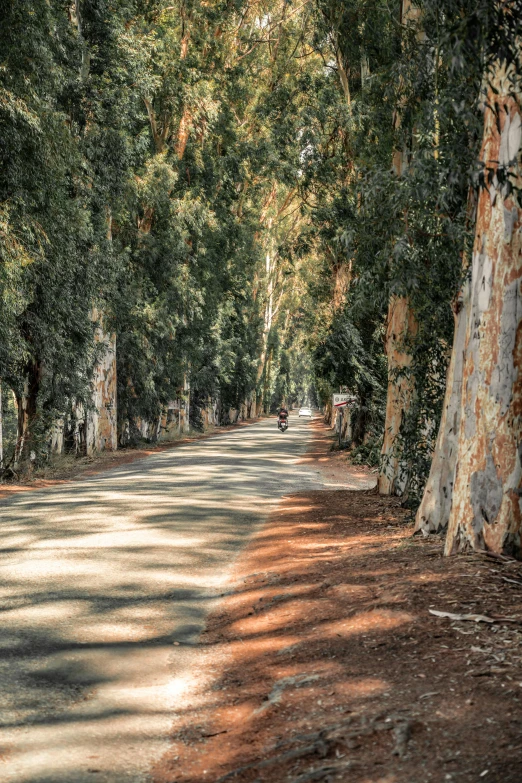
{"x": 378, "y": 620}
{"x": 384, "y": 779}
{"x": 295, "y": 509}
{"x": 107, "y": 583}
{"x": 322, "y": 670}
{"x": 103, "y": 610}
{"x": 114, "y": 631}
{"x": 314, "y": 643}
{"x": 259, "y": 646}
{"x": 104, "y": 540}
{"x": 178, "y": 688}
{"x": 41, "y": 614}
{"x": 350, "y": 591}
{"x": 361, "y": 688}
{"x": 276, "y": 617}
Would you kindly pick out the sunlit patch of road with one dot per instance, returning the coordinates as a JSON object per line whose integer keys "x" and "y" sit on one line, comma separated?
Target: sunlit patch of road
{"x": 105, "y": 585}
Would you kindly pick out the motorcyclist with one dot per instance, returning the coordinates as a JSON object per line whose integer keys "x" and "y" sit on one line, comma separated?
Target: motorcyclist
{"x": 282, "y": 414}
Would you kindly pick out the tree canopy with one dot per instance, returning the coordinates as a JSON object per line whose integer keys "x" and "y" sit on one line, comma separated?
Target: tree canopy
{"x": 242, "y": 191}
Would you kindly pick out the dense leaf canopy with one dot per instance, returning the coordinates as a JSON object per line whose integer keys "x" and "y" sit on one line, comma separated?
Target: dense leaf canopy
{"x": 214, "y": 182}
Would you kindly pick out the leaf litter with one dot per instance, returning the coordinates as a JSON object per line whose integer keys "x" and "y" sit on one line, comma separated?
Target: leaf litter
{"x": 332, "y": 683}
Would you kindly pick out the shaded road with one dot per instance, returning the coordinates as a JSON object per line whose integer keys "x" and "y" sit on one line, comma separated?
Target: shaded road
{"x": 104, "y": 587}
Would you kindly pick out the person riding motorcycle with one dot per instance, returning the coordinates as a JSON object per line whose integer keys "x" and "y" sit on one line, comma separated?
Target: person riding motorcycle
{"x": 282, "y": 415}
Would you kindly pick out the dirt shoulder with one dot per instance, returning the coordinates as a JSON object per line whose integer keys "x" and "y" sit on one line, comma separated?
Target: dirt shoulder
{"x": 65, "y": 469}
{"x": 325, "y": 663}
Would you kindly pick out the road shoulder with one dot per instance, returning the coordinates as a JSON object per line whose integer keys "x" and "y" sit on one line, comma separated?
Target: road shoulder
{"x": 325, "y": 663}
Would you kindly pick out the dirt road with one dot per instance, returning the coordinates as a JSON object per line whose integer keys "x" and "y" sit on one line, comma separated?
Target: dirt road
{"x": 340, "y": 649}
{"x": 106, "y": 584}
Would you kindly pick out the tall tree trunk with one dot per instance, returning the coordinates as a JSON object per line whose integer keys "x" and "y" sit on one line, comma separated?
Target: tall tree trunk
{"x": 485, "y": 512}
{"x": 400, "y": 329}
{"x": 102, "y": 420}
{"x": 343, "y": 76}
{"x": 76, "y": 18}
{"x": 101, "y": 423}
{"x": 266, "y": 387}
{"x": 185, "y": 125}
{"x": 27, "y": 412}
{"x": 268, "y": 318}
{"x": 434, "y": 510}
{"x": 1, "y": 432}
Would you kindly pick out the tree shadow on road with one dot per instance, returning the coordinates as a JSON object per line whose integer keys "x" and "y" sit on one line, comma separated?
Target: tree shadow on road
{"x": 325, "y": 663}
{"x": 107, "y": 582}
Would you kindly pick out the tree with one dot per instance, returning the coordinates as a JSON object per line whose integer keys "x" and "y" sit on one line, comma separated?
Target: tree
{"x": 44, "y": 191}
{"x": 485, "y": 510}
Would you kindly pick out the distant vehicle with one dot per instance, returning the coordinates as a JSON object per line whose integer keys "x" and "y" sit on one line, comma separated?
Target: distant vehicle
{"x": 305, "y": 411}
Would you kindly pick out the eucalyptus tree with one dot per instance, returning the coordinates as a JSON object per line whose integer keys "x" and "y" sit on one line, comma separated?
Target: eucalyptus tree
{"x": 483, "y": 507}
{"x": 51, "y": 276}
{"x": 412, "y": 138}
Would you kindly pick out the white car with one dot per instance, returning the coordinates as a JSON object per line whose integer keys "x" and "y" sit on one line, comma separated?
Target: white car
{"x": 305, "y": 412}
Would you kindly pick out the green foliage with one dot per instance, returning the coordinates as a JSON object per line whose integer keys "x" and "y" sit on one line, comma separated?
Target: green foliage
{"x": 215, "y": 182}
{"x": 415, "y": 86}
{"x": 49, "y": 274}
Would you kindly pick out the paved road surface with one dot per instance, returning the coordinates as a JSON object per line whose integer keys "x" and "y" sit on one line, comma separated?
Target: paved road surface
{"x": 104, "y": 587}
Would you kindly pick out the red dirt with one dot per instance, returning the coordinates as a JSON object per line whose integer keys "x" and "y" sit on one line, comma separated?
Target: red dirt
{"x": 324, "y": 663}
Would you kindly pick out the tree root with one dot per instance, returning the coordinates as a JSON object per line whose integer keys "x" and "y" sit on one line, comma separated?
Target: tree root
{"x": 320, "y": 748}
{"x": 322, "y": 772}
{"x": 322, "y": 743}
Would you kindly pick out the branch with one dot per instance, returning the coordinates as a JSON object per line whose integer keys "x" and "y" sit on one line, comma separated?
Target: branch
{"x": 158, "y": 140}
{"x": 287, "y": 201}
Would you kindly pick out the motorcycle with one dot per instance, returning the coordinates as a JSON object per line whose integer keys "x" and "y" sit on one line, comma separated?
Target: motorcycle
{"x": 282, "y": 423}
